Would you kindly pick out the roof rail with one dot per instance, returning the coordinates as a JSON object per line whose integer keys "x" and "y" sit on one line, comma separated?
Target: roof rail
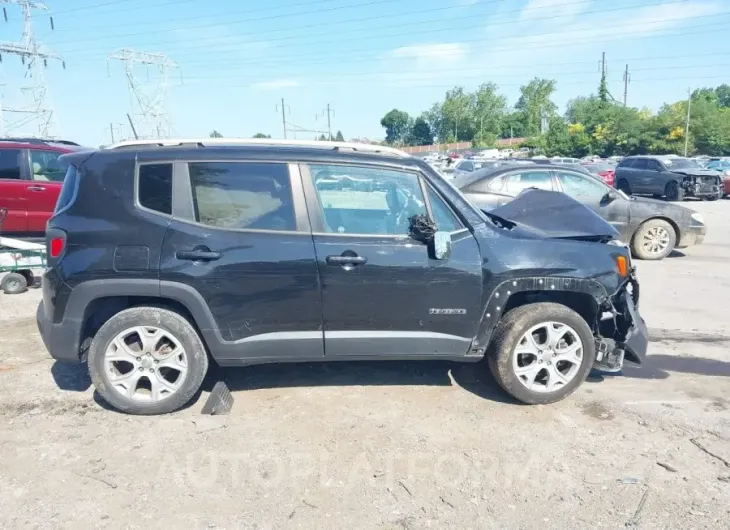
{"x": 38, "y": 141}
{"x": 203, "y": 142}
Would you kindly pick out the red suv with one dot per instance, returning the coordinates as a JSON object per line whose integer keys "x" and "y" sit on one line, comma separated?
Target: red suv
{"x": 31, "y": 177}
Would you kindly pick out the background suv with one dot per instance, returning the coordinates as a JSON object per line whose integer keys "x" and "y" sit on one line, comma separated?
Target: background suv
{"x": 30, "y": 180}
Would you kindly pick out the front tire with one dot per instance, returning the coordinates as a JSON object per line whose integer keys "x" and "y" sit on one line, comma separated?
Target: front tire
{"x": 147, "y": 360}
{"x": 541, "y": 353}
{"x": 674, "y": 192}
{"x": 654, "y": 240}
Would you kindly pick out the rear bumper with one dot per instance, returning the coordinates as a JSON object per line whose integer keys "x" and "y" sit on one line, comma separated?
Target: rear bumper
{"x": 692, "y": 235}
{"x": 61, "y": 339}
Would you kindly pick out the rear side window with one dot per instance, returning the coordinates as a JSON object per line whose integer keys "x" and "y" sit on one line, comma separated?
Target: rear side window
{"x": 626, "y": 163}
{"x": 68, "y": 189}
{"x": 639, "y": 163}
{"x": 155, "y": 187}
{"x": 10, "y": 164}
{"x": 243, "y": 195}
{"x": 46, "y": 167}
{"x": 517, "y": 182}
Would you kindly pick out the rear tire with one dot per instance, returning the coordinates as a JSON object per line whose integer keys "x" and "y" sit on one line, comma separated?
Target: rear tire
{"x": 14, "y": 283}
{"x": 623, "y": 185}
{"x": 674, "y": 192}
{"x": 503, "y": 355}
{"x": 109, "y": 375}
{"x": 649, "y": 240}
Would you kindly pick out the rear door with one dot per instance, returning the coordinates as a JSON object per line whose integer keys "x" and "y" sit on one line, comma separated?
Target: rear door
{"x": 240, "y": 240}
{"x": 595, "y": 194}
{"x": 42, "y": 188}
{"x": 655, "y": 179}
{"x": 12, "y": 188}
{"x": 382, "y": 294}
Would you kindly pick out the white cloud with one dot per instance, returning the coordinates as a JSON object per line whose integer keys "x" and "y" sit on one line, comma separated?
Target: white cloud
{"x": 536, "y": 9}
{"x": 451, "y": 51}
{"x": 276, "y": 84}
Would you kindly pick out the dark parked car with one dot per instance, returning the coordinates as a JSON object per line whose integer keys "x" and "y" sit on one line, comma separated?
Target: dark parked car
{"x": 652, "y": 228}
{"x": 191, "y": 249}
{"x": 672, "y": 177}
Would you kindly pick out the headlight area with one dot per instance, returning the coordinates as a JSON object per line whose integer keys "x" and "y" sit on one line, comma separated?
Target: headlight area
{"x": 697, "y": 216}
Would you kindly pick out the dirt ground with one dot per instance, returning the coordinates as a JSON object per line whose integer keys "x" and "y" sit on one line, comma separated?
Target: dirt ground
{"x": 392, "y": 445}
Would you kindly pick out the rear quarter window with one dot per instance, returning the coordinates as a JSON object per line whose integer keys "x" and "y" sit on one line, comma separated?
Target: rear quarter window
{"x": 155, "y": 187}
{"x": 68, "y": 190}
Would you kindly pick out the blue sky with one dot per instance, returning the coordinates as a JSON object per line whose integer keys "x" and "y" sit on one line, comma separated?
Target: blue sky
{"x": 363, "y": 57}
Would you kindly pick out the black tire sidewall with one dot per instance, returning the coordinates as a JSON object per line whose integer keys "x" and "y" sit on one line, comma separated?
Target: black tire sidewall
{"x": 638, "y": 251}
{"x": 167, "y": 320}
{"x": 676, "y": 194}
{"x": 510, "y": 331}
{"x": 626, "y": 187}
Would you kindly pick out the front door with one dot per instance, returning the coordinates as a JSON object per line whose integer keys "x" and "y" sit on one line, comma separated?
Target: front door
{"x": 382, "y": 294}
{"x": 245, "y": 247}
{"x": 595, "y": 194}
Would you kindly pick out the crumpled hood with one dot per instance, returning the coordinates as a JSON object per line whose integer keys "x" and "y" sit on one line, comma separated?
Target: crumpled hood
{"x": 698, "y": 172}
{"x": 555, "y": 215}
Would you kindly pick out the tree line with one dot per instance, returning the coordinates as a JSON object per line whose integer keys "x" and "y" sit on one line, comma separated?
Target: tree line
{"x": 322, "y": 137}
{"x": 595, "y": 124}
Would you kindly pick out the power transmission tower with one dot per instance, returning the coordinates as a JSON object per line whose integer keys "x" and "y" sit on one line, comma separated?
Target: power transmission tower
{"x": 330, "y": 112}
{"x": 149, "y": 98}
{"x": 627, "y": 80}
{"x": 35, "y": 57}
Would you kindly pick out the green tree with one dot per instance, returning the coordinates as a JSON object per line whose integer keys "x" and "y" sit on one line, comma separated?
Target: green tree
{"x": 557, "y": 139}
{"x": 216, "y": 134}
{"x": 458, "y": 114}
{"x": 490, "y": 108}
{"x": 323, "y": 138}
{"x": 395, "y": 123}
{"x": 723, "y": 95}
{"x": 261, "y": 135}
{"x": 339, "y": 137}
{"x": 420, "y": 133}
{"x": 535, "y": 101}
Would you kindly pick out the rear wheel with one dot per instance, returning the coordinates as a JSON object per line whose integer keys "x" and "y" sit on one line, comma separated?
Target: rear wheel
{"x": 14, "y": 283}
{"x": 654, "y": 240}
{"x": 624, "y": 186}
{"x": 147, "y": 360}
{"x": 674, "y": 192}
{"x": 541, "y": 353}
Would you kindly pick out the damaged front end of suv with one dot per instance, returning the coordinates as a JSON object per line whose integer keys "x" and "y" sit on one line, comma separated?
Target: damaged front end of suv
{"x": 704, "y": 184}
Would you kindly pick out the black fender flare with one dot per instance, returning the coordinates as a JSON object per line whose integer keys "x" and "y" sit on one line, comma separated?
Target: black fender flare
{"x": 499, "y": 300}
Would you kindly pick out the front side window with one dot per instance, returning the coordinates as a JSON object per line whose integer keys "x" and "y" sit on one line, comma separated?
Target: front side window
{"x": 367, "y": 200}
{"x": 243, "y": 195}
{"x": 581, "y": 188}
{"x": 517, "y": 182}
{"x": 10, "y": 164}
{"x": 653, "y": 165}
{"x": 444, "y": 218}
{"x": 155, "y": 187}
{"x": 46, "y": 167}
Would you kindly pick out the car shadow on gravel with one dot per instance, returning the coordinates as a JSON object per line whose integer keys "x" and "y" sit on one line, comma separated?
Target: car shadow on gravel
{"x": 472, "y": 377}
{"x": 661, "y": 366}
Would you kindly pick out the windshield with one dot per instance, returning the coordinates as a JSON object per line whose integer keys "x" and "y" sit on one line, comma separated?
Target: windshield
{"x": 681, "y": 163}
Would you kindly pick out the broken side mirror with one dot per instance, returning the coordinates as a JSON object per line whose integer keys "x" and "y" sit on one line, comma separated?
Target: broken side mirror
{"x": 441, "y": 245}
{"x": 610, "y": 197}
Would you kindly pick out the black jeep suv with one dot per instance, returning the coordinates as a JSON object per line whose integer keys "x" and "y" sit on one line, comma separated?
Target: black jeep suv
{"x": 162, "y": 255}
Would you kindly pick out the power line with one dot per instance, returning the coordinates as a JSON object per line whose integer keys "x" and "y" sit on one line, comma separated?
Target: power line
{"x": 409, "y": 13}
{"x": 85, "y": 9}
{"x": 368, "y": 58}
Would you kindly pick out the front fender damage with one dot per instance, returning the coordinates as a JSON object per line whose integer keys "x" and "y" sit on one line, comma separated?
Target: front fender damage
{"x": 621, "y": 332}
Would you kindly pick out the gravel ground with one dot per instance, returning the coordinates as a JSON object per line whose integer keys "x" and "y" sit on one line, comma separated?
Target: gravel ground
{"x": 406, "y": 445}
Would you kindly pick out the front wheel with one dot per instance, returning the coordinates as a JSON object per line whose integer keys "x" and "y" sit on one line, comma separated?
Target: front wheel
{"x": 147, "y": 360}
{"x": 541, "y": 353}
{"x": 674, "y": 192}
{"x": 654, "y": 240}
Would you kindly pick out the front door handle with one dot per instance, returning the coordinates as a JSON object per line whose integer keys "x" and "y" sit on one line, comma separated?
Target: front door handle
{"x": 346, "y": 260}
{"x": 197, "y": 255}
{"x": 36, "y": 188}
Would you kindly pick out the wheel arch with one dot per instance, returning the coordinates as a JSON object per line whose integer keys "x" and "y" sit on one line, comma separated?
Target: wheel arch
{"x": 584, "y": 296}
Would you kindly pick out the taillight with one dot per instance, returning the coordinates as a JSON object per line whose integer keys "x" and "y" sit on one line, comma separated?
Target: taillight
{"x": 57, "y": 244}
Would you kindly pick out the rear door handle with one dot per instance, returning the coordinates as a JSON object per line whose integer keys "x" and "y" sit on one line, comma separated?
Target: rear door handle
{"x": 346, "y": 260}
{"x": 197, "y": 255}
{"x": 36, "y": 188}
